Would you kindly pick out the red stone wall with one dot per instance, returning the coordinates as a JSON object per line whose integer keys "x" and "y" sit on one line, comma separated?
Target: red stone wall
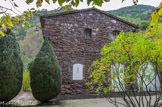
{"x": 66, "y": 33}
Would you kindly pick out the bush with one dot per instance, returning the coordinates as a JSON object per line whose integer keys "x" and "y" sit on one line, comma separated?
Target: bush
{"x": 11, "y": 67}
{"x": 130, "y": 65}
{"x": 26, "y": 81}
{"x": 45, "y": 74}
{"x": 30, "y": 64}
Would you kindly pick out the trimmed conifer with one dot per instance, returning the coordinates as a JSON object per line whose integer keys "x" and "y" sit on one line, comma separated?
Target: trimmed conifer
{"x": 45, "y": 74}
{"x": 11, "y": 67}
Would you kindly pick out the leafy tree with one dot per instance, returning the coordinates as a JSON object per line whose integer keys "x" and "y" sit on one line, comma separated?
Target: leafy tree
{"x": 7, "y": 22}
{"x": 155, "y": 15}
{"x": 11, "y": 67}
{"x": 45, "y": 74}
{"x": 126, "y": 60}
{"x": 72, "y": 3}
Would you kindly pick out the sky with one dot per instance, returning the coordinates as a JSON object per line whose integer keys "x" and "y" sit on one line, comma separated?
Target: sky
{"x": 112, "y": 5}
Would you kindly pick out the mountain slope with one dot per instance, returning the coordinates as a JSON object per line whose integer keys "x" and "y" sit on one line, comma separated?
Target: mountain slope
{"x": 139, "y": 15}
{"x": 140, "y": 11}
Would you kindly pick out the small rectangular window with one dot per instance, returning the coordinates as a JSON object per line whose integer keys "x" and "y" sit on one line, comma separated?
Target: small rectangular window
{"x": 115, "y": 33}
{"x": 87, "y": 33}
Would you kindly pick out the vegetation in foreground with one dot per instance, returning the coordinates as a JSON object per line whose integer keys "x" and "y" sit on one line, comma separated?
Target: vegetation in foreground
{"x": 26, "y": 81}
{"x": 124, "y": 64}
{"x": 45, "y": 74}
{"x": 11, "y": 67}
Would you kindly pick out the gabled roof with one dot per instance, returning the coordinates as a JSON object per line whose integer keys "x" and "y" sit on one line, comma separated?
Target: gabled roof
{"x": 83, "y": 10}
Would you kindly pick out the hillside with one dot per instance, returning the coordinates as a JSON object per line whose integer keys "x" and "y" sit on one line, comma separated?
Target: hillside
{"x": 140, "y": 11}
{"x": 30, "y": 42}
{"x": 139, "y": 15}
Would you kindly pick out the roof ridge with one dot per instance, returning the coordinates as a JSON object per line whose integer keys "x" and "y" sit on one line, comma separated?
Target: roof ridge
{"x": 82, "y": 10}
{"x": 66, "y": 12}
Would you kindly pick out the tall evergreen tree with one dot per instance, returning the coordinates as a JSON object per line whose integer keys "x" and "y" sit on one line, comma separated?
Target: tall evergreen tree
{"x": 11, "y": 67}
{"x": 45, "y": 74}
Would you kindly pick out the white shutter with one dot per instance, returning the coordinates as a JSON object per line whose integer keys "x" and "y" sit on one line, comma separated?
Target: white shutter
{"x": 151, "y": 87}
{"x": 117, "y": 68}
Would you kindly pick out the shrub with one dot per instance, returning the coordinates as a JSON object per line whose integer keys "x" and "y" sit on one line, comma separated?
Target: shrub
{"x": 11, "y": 67}
{"x": 30, "y": 64}
{"x": 26, "y": 81}
{"x": 45, "y": 74}
{"x": 131, "y": 65}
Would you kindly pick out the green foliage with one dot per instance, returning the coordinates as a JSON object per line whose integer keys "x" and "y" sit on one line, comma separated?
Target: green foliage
{"x": 139, "y": 15}
{"x": 73, "y": 3}
{"x": 30, "y": 64}
{"x": 142, "y": 24}
{"x": 134, "y": 12}
{"x": 45, "y": 74}
{"x": 11, "y": 67}
{"x": 8, "y": 22}
{"x": 132, "y": 50}
{"x": 126, "y": 60}
{"x": 155, "y": 15}
{"x": 26, "y": 81}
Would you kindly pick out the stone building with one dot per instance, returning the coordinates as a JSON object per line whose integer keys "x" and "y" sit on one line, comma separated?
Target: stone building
{"x": 77, "y": 37}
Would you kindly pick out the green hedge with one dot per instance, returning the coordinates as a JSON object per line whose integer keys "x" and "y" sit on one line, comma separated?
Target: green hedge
{"x": 11, "y": 67}
{"x": 29, "y": 65}
{"x": 45, "y": 74}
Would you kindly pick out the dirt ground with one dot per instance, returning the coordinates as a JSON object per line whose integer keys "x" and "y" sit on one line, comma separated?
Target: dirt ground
{"x": 27, "y": 99}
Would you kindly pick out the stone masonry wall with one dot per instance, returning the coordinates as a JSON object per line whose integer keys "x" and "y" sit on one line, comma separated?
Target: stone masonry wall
{"x": 66, "y": 33}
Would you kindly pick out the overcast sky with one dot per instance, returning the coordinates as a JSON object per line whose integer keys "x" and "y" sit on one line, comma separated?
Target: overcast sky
{"x": 112, "y": 5}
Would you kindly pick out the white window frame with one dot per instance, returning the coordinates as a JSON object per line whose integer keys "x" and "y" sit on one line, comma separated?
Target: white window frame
{"x": 77, "y": 72}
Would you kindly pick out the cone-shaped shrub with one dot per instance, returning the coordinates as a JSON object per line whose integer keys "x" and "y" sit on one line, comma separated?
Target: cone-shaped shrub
{"x": 45, "y": 74}
{"x": 11, "y": 67}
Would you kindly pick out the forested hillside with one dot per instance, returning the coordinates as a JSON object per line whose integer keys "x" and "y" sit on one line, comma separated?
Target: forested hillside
{"x": 30, "y": 42}
{"x": 139, "y": 15}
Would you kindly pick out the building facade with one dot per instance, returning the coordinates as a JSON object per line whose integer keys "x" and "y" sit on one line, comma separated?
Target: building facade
{"x": 77, "y": 37}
